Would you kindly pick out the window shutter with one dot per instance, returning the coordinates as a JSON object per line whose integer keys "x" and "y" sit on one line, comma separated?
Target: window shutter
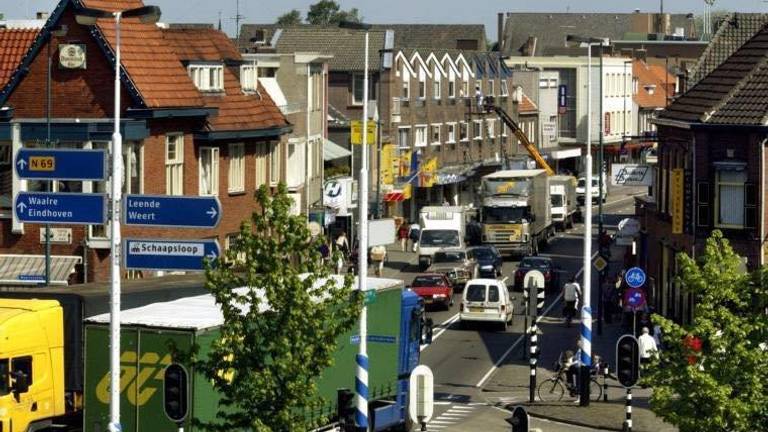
{"x": 750, "y": 205}
{"x": 703, "y": 208}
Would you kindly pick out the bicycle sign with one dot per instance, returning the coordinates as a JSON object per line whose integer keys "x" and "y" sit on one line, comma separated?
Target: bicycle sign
{"x": 635, "y": 277}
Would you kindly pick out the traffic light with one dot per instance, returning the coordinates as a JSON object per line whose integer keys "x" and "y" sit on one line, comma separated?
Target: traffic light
{"x": 345, "y": 409}
{"x": 627, "y": 360}
{"x": 175, "y": 392}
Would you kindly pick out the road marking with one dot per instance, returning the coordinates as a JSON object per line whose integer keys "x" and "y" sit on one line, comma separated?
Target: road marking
{"x": 522, "y": 337}
{"x": 444, "y": 326}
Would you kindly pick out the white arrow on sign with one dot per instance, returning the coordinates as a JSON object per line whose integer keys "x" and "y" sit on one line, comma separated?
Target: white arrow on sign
{"x": 21, "y": 163}
{"x": 212, "y": 212}
{"x": 212, "y": 255}
{"x": 22, "y": 207}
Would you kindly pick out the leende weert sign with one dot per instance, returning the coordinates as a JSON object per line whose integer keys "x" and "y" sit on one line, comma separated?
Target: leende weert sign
{"x": 631, "y": 175}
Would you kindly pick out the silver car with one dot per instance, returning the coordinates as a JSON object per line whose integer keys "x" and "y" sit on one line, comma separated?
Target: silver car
{"x": 458, "y": 264}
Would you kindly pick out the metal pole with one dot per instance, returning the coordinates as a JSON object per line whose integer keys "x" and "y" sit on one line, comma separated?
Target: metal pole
{"x": 114, "y": 322}
{"x": 586, "y": 311}
{"x": 49, "y": 184}
{"x": 628, "y": 410}
{"x": 380, "y": 126}
{"x": 361, "y": 379}
{"x": 601, "y": 273}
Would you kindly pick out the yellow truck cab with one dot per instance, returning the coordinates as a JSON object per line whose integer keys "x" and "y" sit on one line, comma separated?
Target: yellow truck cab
{"x": 31, "y": 364}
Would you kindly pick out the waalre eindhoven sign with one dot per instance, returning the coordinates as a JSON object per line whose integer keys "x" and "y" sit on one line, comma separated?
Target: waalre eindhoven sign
{"x": 61, "y": 208}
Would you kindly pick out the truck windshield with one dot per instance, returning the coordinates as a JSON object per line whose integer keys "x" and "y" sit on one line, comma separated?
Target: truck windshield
{"x": 504, "y": 214}
{"x": 439, "y": 238}
{"x": 557, "y": 200}
{"x": 507, "y": 187}
{"x": 4, "y": 388}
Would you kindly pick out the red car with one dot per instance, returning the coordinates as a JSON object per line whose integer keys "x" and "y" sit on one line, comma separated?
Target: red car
{"x": 434, "y": 288}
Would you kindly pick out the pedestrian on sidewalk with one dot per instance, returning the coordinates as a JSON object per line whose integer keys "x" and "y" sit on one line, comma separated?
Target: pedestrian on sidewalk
{"x": 402, "y": 234}
{"x": 413, "y": 233}
{"x": 378, "y": 256}
{"x": 647, "y": 346}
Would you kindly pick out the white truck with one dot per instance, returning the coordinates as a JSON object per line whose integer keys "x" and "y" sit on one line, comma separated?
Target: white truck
{"x": 562, "y": 193}
{"x": 516, "y": 215}
{"x": 441, "y": 227}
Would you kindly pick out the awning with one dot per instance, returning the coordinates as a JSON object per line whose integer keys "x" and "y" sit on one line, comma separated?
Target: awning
{"x": 333, "y": 151}
{"x": 565, "y": 154}
{"x": 30, "y": 269}
{"x": 274, "y": 90}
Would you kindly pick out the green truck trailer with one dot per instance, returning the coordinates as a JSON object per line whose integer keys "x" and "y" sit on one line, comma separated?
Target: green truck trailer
{"x": 157, "y": 312}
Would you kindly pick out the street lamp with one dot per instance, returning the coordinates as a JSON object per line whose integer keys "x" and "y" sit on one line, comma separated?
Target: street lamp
{"x": 88, "y": 17}
{"x": 586, "y": 309}
{"x": 361, "y": 376}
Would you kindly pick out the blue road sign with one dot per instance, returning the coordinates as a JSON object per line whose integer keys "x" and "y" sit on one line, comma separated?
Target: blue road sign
{"x": 183, "y": 255}
{"x": 61, "y": 164}
{"x": 32, "y": 278}
{"x": 61, "y": 208}
{"x": 172, "y": 211}
{"x": 562, "y": 96}
{"x": 635, "y": 277}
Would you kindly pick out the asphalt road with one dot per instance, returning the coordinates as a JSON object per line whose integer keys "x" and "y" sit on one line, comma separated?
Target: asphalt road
{"x": 463, "y": 361}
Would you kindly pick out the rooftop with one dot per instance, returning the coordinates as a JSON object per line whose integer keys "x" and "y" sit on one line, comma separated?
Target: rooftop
{"x": 14, "y": 44}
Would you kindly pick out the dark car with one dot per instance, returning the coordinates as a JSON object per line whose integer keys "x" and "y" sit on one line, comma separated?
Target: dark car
{"x": 543, "y": 264}
{"x": 434, "y": 288}
{"x": 489, "y": 261}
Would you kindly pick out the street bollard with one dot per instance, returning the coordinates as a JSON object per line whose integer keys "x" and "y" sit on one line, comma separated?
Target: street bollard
{"x": 628, "y": 421}
{"x": 605, "y": 383}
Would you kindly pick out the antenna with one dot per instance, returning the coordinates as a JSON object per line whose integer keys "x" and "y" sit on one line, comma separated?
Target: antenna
{"x": 237, "y": 19}
{"x": 219, "y": 19}
{"x": 707, "y": 30}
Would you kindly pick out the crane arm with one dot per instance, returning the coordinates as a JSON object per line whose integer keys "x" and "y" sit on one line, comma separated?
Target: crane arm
{"x": 532, "y": 150}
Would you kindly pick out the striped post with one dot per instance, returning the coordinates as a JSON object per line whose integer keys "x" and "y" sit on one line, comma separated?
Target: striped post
{"x": 586, "y": 354}
{"x": 605, "y": 382}
{"x": 361, "y": 388}
{"x": 534, "y": 332}
{"x": 525, "y": 315}
{"x": 628, "y": 421}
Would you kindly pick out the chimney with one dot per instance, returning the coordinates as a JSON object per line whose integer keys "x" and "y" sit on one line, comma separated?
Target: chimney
{"x": 500, "y": 35}
{"x": 41, "y": 15}
{"x": 641, "y": 54}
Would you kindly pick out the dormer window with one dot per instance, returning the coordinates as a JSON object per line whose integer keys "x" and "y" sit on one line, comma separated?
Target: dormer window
{"x": 650, "y": 88}
{"x": 249, "y": 80}
{"x": 207, "y": 77}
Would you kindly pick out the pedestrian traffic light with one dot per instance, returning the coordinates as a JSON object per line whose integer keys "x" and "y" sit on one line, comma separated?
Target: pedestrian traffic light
{"x": 627, "y": 360}
{"x": 175, "y": 392}
{"x": 345, "y": 409}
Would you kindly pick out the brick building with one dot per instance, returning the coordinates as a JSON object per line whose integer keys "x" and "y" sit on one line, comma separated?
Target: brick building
{"x": 710, "y": 173}
{"x": 188, "y": 125}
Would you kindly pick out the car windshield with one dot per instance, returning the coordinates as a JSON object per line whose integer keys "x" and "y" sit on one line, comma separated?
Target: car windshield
{"x": 427, "y": 281}
{"x": 557, "y": 200}
{"x": 439, "y": 238}
{"x": 475, "y": 293}
{"x": 484, "y": 254}
{"x": 504, "y": 214}
{"x": 449, "y": 257}
{"x": 582, "y": 182}
{"x": 535, "y": 263}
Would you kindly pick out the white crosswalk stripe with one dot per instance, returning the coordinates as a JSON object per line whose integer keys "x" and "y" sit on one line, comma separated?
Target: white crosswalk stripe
{"x": 453, "y": 415}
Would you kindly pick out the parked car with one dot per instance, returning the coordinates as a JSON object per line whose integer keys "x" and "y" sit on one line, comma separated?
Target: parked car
{"x": 486, "y": 300}
{"x": 434, "y": 288}
{"x": 543, "y": 264}
{"x": 457, "y": 264}
{"x": 489, "y": 261}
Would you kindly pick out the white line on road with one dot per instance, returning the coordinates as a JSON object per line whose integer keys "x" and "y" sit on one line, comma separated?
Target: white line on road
{"x": 444, "y": 326}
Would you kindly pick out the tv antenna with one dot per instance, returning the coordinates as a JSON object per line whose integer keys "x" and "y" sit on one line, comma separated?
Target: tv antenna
{"x": 238, "y": 17}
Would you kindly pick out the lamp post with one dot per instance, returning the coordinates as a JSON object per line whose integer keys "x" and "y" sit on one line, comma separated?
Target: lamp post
{"x": 89, "y": 17}
{"x": 586, "y": 309}
{"x": 361, "y": 376}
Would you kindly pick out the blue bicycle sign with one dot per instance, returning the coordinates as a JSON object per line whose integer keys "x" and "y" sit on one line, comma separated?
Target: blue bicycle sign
{"x": 635, "y": 277}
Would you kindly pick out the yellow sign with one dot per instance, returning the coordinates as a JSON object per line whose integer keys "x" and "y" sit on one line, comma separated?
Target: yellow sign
{"x": 42, "y": 163}
{"x": 356, "y": 131}
{"x": 389, "y": 164}
{"x": 428, "y": 175}
{"x": 405, "y": 163}
{"x": 407, "y": 191}
{"x": 505, "y": 187}
{"x": 677, "y": 206}
{"x": 600, "y": 263}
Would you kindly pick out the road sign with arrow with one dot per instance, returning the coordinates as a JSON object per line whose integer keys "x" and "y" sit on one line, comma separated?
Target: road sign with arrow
{"x": 172, "y": 211}
{"x": 61, "y": 208}
{"x": 183, "y": 255}
{"x": 61, "y": 164}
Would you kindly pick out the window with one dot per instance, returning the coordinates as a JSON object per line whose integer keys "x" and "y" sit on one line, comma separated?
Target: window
{"x": 5, "y": 386}
{"x": 490, "y": 126}
{"x": 437, "y": 87}
{"x": 434, "y": 132}
{"x": 5, "y": 153}
{"x": 236, "y": 168}
{"x": 261, "y": 164}
{"x": 207, "y": 77}
{"x": 357, "y": 89}
{"x": 465, "y": 88}
{"x": 249, "y": 80}
{"x": 422, "y": 87}
{"x": 274, "y": 164}
{"x": 406, "y": 87}
{"x": 174, "y": 164}
{"x": 477, "y": 129}
{"x": 209, "y": 171}
{"x": 463, "y": 131}
{"x": 452, "y": 88}
{"x": 23, "y": 365}
{"x": 295, "y": 172}
{"x": 730, "y": 195}
{"x": 491, "y": 88}
{"x": 421, "y": 136}
{"x": 504, "y": 88}
{"x": 450, "y": 132}
{"x": 404, "y": 137}
{"x": 133, "y": 161}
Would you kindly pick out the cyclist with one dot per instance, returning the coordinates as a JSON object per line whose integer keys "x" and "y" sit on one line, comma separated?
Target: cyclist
{"x": 571, "y": 296}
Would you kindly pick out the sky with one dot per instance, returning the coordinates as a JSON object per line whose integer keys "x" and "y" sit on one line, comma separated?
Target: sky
{"x": 394, "y": 11}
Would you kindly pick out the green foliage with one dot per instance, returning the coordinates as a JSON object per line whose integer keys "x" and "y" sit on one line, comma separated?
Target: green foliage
{"x": 724, "y": 386}
{"x": 291, "y": 18}
{"x": 280, "y": 333}
{"x": 328, "y": 13}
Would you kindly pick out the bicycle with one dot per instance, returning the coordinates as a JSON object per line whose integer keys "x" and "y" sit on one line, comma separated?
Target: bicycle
{"x": 553, "y": 389}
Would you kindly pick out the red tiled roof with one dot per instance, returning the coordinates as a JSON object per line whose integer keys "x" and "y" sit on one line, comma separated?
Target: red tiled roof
{"x": 153, "y": 67}
{"x": 652, "y": 77}
{"x": 14, "y": 44}
{"x": 201, "y": 44}
{"x": 527, "y": 105}
{"x": 238, "y": 111}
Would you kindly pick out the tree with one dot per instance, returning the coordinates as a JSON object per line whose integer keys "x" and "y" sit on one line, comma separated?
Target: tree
{"x": 291, "y": 18}
{"x": 328, "y": 13}
{"x": 280, "y": 333}
{"x": 713, "y": 374}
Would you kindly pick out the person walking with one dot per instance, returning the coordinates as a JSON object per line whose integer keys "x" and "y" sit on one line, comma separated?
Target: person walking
{"x": 647, "y": 346}
{"x": 571, "y": 296}
{"x": 378, "y": 256}
{"x": 402, "y": 234}
{"x": 413, "y": 233}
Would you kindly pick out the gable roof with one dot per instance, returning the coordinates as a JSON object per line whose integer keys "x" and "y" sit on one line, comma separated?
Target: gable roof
{"x": 346, "y": 46}
{"x": 202, "y": 44}
{"x": 527, "y": 106}
{"x": 732, "y": 94}
{"x": 733, "y": 32}
{"x": 437, "y": 36}
{"x": 14, "y": 45}
{"x": 551, "y": 29}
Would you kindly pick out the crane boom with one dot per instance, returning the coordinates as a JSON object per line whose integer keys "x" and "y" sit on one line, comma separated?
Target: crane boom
{"x": 532, "y": 150}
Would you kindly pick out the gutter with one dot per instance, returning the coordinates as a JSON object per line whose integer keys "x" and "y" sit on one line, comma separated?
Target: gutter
{"x": 673, "y": 123}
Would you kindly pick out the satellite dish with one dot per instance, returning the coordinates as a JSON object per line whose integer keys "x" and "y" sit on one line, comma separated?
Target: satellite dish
{"x": 422, "y": 393}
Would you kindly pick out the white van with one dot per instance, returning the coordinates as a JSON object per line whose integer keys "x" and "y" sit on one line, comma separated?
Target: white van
{"x": 486, "y": 300}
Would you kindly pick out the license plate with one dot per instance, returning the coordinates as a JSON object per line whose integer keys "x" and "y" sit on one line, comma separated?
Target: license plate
{"x": 428, "y": 301}
{"x": 476, "y": 309}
